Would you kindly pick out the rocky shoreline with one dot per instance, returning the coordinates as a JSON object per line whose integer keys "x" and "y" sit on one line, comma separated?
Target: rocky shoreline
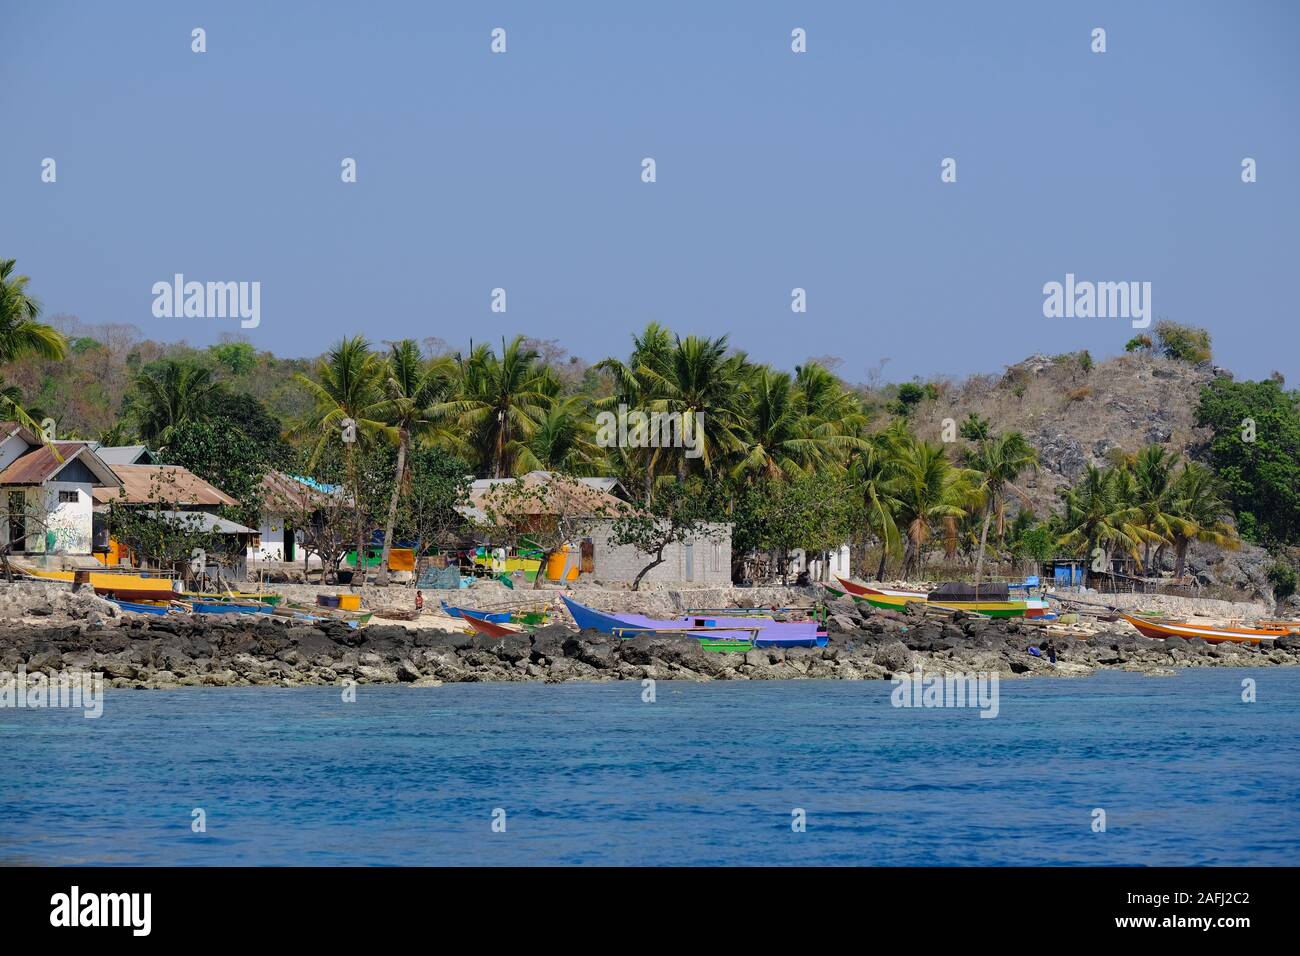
{"x": 177, "y": 651}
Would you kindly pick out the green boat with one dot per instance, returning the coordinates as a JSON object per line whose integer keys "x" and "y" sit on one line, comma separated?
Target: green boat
{"x": 719, "y": 646}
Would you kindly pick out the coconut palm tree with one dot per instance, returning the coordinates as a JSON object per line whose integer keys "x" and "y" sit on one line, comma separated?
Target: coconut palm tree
{"x": 1153, "y": 471}
{"x": 1200, "y": 500}
{"x": 22, "y": 335}
{"x": 20, "y": 332}
{"x": 932, "y": 492}
{"x": 411, "y": 386}
{"x": 999, "y": 460}
{"x": 1099, "y": 514}
{"x": 166, "y": 395}
{"x": 698, "y": 380}
{"x": 778, "y": 434}
{"x": 347, "y": 388}
{"x": 875, "y": 473}
{"x": 498, "y": 403}
{"x": 564, "y": 440}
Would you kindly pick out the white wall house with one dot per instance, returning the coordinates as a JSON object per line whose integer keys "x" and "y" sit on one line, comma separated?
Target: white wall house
{"x": 813, "y": 564}
{"x": 47, "y": 493}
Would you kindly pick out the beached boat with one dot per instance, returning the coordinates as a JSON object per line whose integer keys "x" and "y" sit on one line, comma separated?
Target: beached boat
{"x": 496, "y": 617}
{"x": 886, "y": 599}
{"x": 140, "y": 607}
{"x": 216, "y": 606}
{"x": 490, "y": 628}
{"x": 243, "y": 597}
{"x": 766, "y": 631}
{"x": 1210, "y": 633}
{"x": 315, "y": 613}
{"x": 111, "y": 584}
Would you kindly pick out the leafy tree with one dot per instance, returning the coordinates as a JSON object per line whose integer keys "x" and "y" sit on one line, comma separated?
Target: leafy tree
{"x": 550, "y": 510}
{"x": 1283, "y": 578}
{"x": 677, "y": 513}
{"x": 998, "y": 462}
{"x": 1183, "y": 342}
{"x": 168, "y": 394}
{"x": 238, "y": 358}
{"x": 1255, "y": 452}
{"x": 221, "y": 454}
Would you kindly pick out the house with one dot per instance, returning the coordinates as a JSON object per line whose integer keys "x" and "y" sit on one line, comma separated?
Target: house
{"x": 287, "y": 502}
{"x": 48, "y": 493}
{"x": 115, "y": 455}
{"x": 704, "y": 560}
{"x": 237, "y": 535}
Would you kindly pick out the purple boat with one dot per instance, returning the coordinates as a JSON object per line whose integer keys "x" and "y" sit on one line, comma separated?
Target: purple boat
{"x": 770, "y": 633}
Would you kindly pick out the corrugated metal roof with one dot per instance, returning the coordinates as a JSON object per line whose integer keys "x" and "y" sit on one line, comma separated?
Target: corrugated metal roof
{"x": 201, "y": 521}
{"x": 123, "y": 454}
{"x": 162, "y": 484}
{"x": 42, "y": 464}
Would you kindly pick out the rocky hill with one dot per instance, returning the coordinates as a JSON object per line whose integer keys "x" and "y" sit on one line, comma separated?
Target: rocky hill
{"x": 1076, "y": 415}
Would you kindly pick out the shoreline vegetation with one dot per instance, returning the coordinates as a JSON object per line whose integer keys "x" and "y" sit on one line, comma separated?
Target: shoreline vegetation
{"x": 1155, "y": 465}
{"x": 148, "y": 652}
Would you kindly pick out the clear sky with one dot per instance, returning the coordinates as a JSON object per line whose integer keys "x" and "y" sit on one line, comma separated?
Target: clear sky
{"x": 775, "y": 170}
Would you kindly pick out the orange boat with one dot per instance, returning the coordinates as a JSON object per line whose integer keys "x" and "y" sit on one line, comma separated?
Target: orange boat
{"x": 1207, "y": 632}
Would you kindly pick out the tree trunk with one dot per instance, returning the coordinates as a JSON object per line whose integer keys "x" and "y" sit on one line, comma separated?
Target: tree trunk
{"x": 884, "y": 557}
{"x": 541, "y": 569}
{"x": 659, "y": 559}
{"x": 984, "y": 537}
{"x": 381, "y": 577}
{"x": 358, "y": 572}
{"x": 1180, "y": 564}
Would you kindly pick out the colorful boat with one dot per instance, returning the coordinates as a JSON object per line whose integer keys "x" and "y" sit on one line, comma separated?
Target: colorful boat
{"x": 241, "y": 596}
{"x": 766, "y": 632}
{"x": 110, "y": 584}
{"x": 139, "y": 607}
{"x": 1207, "y": 632}
{"x": 886, "y": 599}
{"x": 314, "y": 614}
{"x": 489, "y": 628}
{"x": 496, "y": 617}
{"x": 230, "y": 607}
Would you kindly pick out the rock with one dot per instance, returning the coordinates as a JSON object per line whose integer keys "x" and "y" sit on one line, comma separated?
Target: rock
{"x": 894, "y": 657}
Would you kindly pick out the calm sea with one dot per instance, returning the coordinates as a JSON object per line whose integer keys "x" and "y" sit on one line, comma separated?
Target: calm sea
{"x": 707, "y": 774}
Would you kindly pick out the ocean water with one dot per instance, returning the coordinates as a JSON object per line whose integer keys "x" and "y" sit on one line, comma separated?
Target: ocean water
{"x": 707, "y": 774}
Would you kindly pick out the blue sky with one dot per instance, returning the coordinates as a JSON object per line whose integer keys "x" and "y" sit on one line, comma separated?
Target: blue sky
{"x": 775, "y": 170}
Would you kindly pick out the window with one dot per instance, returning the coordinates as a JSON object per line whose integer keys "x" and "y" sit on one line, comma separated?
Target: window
{"x": 68, "y": 497}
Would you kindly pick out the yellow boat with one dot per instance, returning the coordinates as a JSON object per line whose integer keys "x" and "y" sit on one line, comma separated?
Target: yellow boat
{"x": 127, "y": 587}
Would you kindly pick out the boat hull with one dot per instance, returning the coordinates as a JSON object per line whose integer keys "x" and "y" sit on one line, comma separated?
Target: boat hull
{"x": 1208, "y": 633}
{"x": 501, "y": 617}
{"x": 489, "y": 628}
{"x": 766, "y": 632}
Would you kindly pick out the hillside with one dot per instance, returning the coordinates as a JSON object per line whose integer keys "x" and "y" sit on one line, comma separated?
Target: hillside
{"x": 1075, "y": 415}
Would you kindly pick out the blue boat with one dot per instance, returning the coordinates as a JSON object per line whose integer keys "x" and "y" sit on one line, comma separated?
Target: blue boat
{"x": 499, "y": 617}
{"x": 136, "y": 608}
{"x": 226, "y": 607}
{"x": 767, "y": 632}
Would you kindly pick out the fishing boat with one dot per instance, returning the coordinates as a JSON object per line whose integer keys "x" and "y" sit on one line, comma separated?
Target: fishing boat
{"x": 314, "y": 613}
{"x": 241, "y": 596}
{"x": 1209, "y": 633}
{"x": 496, "y": 617}
{"x": 490, "y": 628}
{"x": 140, "y": 607}
{"x": 766, "y": 631}
{"x": 228, "y": 606}
{"x": 112, "y": 584}
{"x": 886, "y": 599}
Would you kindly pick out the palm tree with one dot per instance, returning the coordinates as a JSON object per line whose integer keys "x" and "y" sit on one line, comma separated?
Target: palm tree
{"x": 1099, "y": 514}
{"x": 498, "y": 404}
{"x": 778, "y": 434}
{"x": 931, "y": 491}
{"x": 564, "y": 440}
{"x": 348, "y": 387}
{"x": 167, "y": 395}
{"x": 999, "y": 460}
{"x": 1199, "y": 499}
{"x": 411, "y": 387}
{"x": 875, "y": 472}
{"x": 1153, "y": 496}
{"x": 699, "y": 381}
{"x": 20, "y": 333}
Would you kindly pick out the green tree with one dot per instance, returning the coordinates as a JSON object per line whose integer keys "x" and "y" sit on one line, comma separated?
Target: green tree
{"x": 998, "y": 461}
{"x": 167, "y": 394}
{"x": 1255, "y": 451}
{"x": 679, "y": 512}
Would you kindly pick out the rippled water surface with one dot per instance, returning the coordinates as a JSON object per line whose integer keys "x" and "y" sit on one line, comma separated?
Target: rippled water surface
{"x": 707, "y": 774}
